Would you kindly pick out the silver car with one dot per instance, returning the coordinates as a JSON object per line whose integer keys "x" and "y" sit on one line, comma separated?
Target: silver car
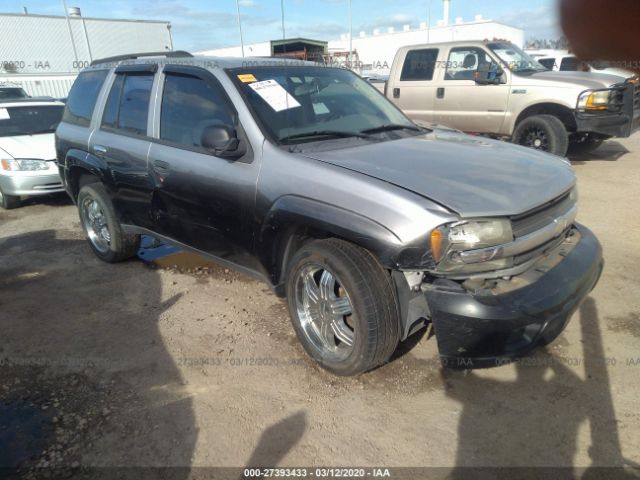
{"x": 27, "y": 149}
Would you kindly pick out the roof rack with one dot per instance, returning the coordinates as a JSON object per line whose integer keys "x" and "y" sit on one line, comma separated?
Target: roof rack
{"x": 133, "y": 56}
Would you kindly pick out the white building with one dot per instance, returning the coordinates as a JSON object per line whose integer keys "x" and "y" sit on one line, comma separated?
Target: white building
{"x": 43, "y": 53}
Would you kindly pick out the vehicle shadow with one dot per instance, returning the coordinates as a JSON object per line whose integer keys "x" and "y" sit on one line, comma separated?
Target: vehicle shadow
{"x": 51, "y": 200}
{"x": 277, "y": 440}
{"x": 609, "y": 151}
{"x": 86, "y": 382}
{"x": 505, "y": 428}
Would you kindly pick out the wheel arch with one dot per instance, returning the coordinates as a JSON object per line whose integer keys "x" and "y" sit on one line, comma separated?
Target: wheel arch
{"x": 83, "y": 168}
{"x": 294, "y": 220}
{"x": 562, "y": 112}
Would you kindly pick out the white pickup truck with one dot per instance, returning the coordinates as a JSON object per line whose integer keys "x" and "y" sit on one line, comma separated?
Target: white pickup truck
{"x": 496, "y": 89}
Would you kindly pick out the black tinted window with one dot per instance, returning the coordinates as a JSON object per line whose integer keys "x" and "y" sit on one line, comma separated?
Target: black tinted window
{"x": 189, "y": 105}
{"x": 83, "y": 96}
{"x": 419, "y": 65}
{"x": 127, "y": 106}
{"x": 548, "y": 62}
{"x": 569, "y": 64}
{"x": 110, "y": 116}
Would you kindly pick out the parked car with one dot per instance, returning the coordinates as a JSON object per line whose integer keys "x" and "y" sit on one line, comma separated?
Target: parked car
{"x": 27, "y": 149}
{"x": 563, "y": 61}
{"x": 11, "y": 91}
{"x": 495, "y": 89}
{"x": 309, "y": 179}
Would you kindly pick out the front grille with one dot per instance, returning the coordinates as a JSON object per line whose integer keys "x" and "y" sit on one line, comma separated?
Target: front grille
{"x": 541, "y": 216}
{"x": 636, "y": 97}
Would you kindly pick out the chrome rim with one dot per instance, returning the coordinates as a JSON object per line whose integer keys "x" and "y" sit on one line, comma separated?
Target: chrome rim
{"x": 95, "y": 224}
{"x": 325, "y": 312}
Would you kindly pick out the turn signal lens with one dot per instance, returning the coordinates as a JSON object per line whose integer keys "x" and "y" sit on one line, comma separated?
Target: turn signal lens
{"x": 437, "y": 244}
{"x": 6, "y": 165}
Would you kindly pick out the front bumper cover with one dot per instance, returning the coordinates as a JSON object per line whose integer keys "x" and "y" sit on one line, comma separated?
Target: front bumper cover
{"x": 480, "y": 331}
{"x": 620, "y": 124}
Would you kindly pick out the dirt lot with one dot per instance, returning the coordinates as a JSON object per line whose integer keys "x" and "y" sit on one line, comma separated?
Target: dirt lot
{"x": 155, "y": 365}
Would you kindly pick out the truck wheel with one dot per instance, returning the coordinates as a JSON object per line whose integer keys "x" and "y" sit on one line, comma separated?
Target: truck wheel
{"x": 101, "y": 225}
{"x": 584, "y": 145}
{"x": 8, "y": 201}
{"x": 542, "y": 132}
{"x": 342, "y": 306}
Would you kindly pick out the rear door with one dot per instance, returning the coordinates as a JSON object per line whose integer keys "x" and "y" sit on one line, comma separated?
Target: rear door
{"x": 122, "y": 141}
{"x": 413, "y": 86}
{"x": 462, "y": 103}
{"x": 200, "y": 199}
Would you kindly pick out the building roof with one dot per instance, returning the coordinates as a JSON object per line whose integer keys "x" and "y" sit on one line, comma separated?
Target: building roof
{"x": 73, "y": 17}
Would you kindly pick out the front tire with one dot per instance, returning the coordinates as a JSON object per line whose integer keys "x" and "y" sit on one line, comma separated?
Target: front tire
{"x": 342, "y": 306}
{"x": 101, "y": 226}
{"x": 542, "y": 132}
{"x": 8, "y": 201}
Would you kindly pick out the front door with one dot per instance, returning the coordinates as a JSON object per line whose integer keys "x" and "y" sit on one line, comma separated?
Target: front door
{"x": 199, "y": 199}
{"x": 462, "y": 103}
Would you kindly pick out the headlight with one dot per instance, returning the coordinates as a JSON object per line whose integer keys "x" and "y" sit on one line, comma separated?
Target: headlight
{"x": 25, "y": 165}
{"x": 590, "y": 100}
{"x": 449, "y": 241}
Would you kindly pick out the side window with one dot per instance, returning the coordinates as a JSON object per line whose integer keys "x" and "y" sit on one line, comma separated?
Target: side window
{"x": 569, "y": 64}
{"x": 189, "y": 105}
{"x": 419, "y": 65}
{"x": 549, "y": 63}
{"x": 463, "y": 63}
{"x": 127, "y": 106}
{"x": 83, "y": 96}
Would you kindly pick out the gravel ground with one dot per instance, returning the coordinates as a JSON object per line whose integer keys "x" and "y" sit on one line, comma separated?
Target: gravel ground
{"x": 185, "y": 364}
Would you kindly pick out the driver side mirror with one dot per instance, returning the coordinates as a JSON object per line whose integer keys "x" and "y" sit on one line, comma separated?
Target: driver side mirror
{"x": 222, "y": 140}
{"x": 488, "y": 74}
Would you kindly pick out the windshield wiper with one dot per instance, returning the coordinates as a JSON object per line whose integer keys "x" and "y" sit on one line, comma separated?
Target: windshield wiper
{"x": 390, "y": 127}
{"x": 323, "y": 133}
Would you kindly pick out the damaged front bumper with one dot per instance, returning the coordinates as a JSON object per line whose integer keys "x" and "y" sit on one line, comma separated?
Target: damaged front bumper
{"x": 495, "y": 325}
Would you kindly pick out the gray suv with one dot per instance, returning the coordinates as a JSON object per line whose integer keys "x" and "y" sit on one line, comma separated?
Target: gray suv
{"x": 309, "y": 179}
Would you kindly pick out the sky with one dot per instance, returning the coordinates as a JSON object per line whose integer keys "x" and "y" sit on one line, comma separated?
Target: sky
{"x": 207, "y": 24}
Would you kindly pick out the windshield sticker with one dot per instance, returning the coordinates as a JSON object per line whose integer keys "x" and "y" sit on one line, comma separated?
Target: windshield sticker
{"x": 276, "y": 96}
{"x": 320, "y": 108}
{"x": 4, "y": 114}
{"x": 247, "y": 78}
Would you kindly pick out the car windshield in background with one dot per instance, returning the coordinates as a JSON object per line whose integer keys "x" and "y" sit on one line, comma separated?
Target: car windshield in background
{"x": 12, "y": 93}
{"x": 29, "y": 120}
{"x": 306, "y": 104}
{"x": 515, "y": 59}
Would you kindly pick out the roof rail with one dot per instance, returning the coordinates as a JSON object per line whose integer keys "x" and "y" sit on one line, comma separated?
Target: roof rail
{"x": 133, "y": 56}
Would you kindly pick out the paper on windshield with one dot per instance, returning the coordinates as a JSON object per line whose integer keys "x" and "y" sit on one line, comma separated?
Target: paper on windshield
{"x": 4, "y": 114}
{"x": 276, "y": 96}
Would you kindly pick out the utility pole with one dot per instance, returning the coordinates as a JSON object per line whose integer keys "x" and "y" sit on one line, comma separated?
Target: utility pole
{"x": 284, "y": 36}
{"x": 350, "y": 34}
{"x": 240, "y": 27}
{"x": 73, "y": 42}
{"x": 428, "y": 20}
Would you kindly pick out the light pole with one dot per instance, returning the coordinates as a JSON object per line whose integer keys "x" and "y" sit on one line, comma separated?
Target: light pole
{"x": 350, "y": 34}
{"x": 240, "y": 27}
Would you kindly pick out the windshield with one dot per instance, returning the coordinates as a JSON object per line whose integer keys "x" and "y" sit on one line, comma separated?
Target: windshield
{"x": 515, "y": 59}
{"x": 12, "y": 93}
{"x": 299, "y": 104}
{"x": 29, "y": 120}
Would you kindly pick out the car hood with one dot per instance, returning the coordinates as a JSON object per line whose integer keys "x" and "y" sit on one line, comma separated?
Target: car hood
{"x": 583, "y": 79}
{"x": 472, "y": 176}
{"x": 41, "y": 146}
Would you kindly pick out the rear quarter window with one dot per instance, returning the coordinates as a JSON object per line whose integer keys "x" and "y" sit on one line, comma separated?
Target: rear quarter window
{"x": 419, "y": 65}
{"x": 83, "y": 97}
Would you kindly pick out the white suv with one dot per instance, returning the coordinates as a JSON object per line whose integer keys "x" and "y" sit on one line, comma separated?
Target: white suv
{"x": 27, "y": 149}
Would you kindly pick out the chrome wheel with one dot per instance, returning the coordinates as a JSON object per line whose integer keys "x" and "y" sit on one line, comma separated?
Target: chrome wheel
{"x": 325, "y": 312}
{"x": 95, "y": 224}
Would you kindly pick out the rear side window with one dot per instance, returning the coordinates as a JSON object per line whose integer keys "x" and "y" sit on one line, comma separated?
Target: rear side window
{"x": 549, "y": 63}
{"x": 127, "y": 107}
{"x": 83, "y": 96}
{"x": 569, "y": 64}
{"x": 419, "y": 64}
{"x": 189, "y": 105}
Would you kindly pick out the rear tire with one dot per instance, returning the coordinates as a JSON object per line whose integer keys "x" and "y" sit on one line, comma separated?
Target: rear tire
{"x": 8, "y": 201}
{"x": 101, "y": 226}
{"x": 542, "y": 132}
{"x": 342, "y": 306}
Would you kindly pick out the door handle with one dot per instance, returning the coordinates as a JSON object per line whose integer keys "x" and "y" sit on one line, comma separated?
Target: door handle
{"x": 161, "y": 166}
{"x": 396, "y": 93}
{"x": 440, "y": 92}
{"x": 99, "y": 150}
